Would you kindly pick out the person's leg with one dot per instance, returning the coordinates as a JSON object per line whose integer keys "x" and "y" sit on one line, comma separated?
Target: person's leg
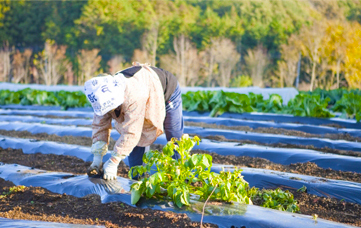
{"x": 135, "y": 158}
{"x": 173, "y": 123}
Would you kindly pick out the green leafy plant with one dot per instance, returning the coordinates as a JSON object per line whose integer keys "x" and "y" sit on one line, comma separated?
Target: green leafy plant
{"x": 350, "y": 103}
{"x": 216, "y": 102}
{"x": 166, "y": 178}
{"x": 308, "y": 105}
{"x": 274, "y": 104}
{"x": 191, "y": 174}
{"x": 275, "y": 199}
{"x": 242, "y": 81}
{"x": 29, "y": 96}
{"x": 255, "y": 100}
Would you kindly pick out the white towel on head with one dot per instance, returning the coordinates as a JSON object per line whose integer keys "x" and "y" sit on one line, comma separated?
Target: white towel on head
{"x": 105, "y": 93}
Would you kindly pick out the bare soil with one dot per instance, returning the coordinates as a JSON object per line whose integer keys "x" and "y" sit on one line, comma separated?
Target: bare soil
{"x": 276, "y": 131}
{"x": 308, "y": 168}
{"x": 35, "y": 203}
{"x": 40, "y": 204}
{"x": 221, "y": 138}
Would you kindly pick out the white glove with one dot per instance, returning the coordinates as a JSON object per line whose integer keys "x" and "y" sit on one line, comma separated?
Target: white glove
{"x": 111, "y": 168}
{"x": 99, "y": 149}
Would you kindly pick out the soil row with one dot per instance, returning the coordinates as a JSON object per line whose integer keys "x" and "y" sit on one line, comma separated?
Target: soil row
{"x": 35, "y": 203}
{"x": 276, "y": 131}
{"x": 269, "y": 130}
{"x": 308, "y": 168}
{"x": 279, "y": 132}
{"x": 326, "y": 208}
{"x": 221, "y": 138}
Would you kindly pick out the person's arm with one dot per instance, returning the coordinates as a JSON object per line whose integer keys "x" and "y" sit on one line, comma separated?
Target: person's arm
{"x": 132, "y": 128}
{"x": 130, "y": 134}
{"x": 101, "y": 126}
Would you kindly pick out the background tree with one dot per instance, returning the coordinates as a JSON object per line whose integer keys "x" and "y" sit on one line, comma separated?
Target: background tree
{"x": 157, "y": 29}
{"x": 89, "y": 63}
{"x": 5, "y": 63}
{"x": 311, "y": 44}
{"x": 226, "y": 57}
{"x": 182, "y": 23}
{"x": 149, "y": 29}
{"x": 256, "y": 62}
{"x": 214, "y": 24}
{"x": 288, "y": 65}
{"x": 117, "y": 63}
{"x": 51, "y": 63}
{"x": 21, "y": 66}
{"x": 335, "y": 46}
{"x": 353, "y": 60}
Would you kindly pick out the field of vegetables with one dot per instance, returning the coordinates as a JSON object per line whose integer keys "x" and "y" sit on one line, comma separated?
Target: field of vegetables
{"x": 314, "y": 163}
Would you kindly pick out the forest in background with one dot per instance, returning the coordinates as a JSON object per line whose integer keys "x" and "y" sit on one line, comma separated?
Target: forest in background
{"x": 204, "y": 43}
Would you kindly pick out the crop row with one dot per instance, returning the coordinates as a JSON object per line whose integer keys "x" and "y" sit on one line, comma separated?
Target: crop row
{"x": 346, "y": 190}
{"x": 318, "y": 104}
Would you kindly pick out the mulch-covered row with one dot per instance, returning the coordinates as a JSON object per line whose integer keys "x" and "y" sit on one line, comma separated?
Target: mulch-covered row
{"x": 277, "y": 131}
{"x": 308, "y": 168}
{"x": 35, "y": 203}
{"x": 331, "y": 209}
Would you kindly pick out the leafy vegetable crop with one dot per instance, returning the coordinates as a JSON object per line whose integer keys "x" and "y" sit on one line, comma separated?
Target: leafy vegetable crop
{"x": 218, "y": 102}
{"x": 333, "y": 95}
{"x": 317, "y": 104}
{"x": 275, "y": 199}
{"x": 29, "y": 96}
{"x": 164, "y": 177}
{"x": 190, "y": 174}
{"x": 350, "y": 103}
{"x": 309, "y": 105}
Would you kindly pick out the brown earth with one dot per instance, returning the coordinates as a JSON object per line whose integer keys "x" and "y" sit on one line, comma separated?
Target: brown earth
{"x": 35, "y": 203}
{"x": 276, "y": 131}
{"x": 20, "y": 207}
{"x": 270, "y": 130}
{"x": 221, "y": 138}
{"x": 308, "y": 168}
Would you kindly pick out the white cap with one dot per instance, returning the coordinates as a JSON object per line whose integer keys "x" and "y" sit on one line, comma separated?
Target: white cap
{"x": 105, "y": 93}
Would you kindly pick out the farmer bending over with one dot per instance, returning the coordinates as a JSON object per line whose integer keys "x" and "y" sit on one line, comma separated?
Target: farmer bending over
{"x": 143, "y": 100}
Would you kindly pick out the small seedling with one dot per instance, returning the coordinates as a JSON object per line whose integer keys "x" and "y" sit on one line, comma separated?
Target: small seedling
{"x": 12, "y": 190}
{"x": 302, "y": 189}
{"x": 314, "y": 217}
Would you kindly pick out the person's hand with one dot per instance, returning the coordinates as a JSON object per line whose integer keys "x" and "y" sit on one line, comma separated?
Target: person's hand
{"x": 99, "y": 149}
{"x": 111, "y": 168}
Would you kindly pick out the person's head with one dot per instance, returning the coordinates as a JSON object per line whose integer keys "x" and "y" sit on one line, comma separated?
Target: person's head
{"x": 105, "y": 92}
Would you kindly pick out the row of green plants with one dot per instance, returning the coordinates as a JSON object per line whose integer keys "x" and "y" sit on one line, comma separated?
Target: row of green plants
{"x": 320, "y": 103}
{"x": 334, "y": 95}
{"x": 191, "y": 177}
{"x": 28, "y": 96}
{"x": 303, "y": 104}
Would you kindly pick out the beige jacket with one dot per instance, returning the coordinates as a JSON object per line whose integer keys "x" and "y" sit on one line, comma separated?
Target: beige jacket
{"x": 141, "y": 116}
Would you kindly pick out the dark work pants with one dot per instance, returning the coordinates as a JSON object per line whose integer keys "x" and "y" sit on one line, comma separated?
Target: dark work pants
{"x": 173, "y": 127}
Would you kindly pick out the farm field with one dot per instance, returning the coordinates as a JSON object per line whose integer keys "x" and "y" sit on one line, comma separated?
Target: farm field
{"x": 51, "y": 150}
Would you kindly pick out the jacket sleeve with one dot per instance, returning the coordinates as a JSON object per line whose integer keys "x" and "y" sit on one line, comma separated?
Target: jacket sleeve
{"x": 102, "y": 125}
{"x": 131, "y": 129}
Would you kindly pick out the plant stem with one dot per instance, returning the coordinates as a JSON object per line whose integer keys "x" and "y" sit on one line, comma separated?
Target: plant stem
{"x": 204, "y": 206}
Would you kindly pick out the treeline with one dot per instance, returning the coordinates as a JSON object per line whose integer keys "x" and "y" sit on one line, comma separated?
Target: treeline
{"x": 208, "y": 43}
